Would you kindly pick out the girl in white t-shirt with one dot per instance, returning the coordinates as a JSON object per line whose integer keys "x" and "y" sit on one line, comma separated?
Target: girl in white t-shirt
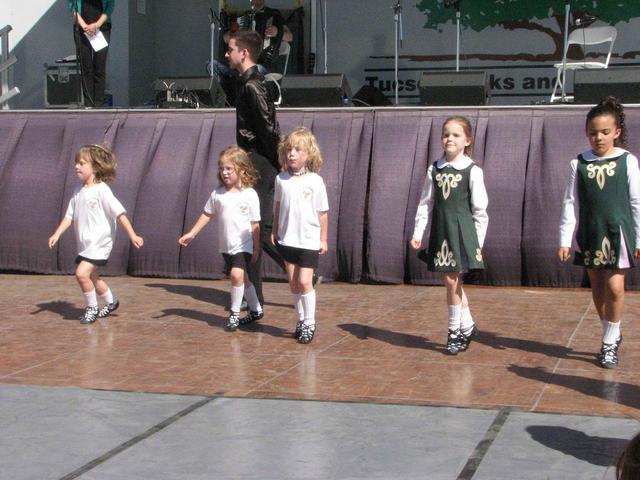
{"x": 237, "y": 206}
{"x": 300, "y": 222}
{"x": 94, "y": 212}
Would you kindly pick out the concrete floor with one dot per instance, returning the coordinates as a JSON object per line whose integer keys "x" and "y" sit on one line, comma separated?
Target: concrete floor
{"x": 160, "y": 390}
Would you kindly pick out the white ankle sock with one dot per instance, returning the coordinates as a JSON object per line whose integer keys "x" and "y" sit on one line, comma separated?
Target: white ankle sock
{"x": 90, "y": 298}
{"x": 297, "y": 303}
{"x": 466, "y": 320}
{"x": 107, "y": 297}
{"x": 454, "y": 316}
{"x": 309, "y": 306}
{"x": 612, "y": 333}
{"x": 236, "y": 298}
{"x": 252, "y": 299}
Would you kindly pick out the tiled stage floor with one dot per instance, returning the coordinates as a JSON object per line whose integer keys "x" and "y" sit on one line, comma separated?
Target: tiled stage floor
{"x": 160, "y": 391}
{"x": 374, "y": 344}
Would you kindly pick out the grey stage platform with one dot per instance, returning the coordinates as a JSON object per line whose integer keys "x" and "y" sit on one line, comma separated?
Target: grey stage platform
{"x": 65, "y": 433}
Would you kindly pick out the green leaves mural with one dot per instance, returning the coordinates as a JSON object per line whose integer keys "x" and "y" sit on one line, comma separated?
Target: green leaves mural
{"x": 527, "y": 15}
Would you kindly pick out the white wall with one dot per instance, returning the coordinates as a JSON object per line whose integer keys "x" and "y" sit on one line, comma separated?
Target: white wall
{"x": 43, "y": 33}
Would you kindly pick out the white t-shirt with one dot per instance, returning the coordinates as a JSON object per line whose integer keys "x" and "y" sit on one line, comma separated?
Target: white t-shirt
{"x": 301, "y": 198}
{"x": 236, "y": 211}
{"x": 94, "y": 212}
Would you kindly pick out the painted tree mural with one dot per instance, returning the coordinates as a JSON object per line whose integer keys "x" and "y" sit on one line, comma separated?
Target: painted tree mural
{"x": 527, "y": 15}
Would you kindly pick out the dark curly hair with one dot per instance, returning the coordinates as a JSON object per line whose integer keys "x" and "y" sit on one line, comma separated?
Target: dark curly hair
{"x": 611, "y": 106}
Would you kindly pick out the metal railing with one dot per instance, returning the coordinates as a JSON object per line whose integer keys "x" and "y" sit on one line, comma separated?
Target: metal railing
{"x": 6, "y": 61}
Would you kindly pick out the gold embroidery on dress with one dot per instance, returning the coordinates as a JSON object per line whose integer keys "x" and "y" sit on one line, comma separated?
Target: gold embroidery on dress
{"x": 606, "y": 256}
{"x": 447, "y": 181}
{"x": 587, "y": 258}
{"x": 478, "y": 254}
{"x": 598, "y": 172}
{"x": 444, "y": 258}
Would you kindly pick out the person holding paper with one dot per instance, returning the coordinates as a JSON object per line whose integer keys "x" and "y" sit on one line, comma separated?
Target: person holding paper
{"x": 91, "y": 31}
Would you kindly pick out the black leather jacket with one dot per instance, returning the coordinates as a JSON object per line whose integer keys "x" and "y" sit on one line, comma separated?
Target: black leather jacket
{"x": 256, "y": 126}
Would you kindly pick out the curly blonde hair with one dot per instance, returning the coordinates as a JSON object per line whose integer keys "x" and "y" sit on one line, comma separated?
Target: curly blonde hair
{"x": 241, "y": 162}
{"x": 302, "y": 138}
{"x": 102, "y": 159}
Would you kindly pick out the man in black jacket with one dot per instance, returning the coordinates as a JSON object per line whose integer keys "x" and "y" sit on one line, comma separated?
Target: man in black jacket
{"x": 257, "y": 132}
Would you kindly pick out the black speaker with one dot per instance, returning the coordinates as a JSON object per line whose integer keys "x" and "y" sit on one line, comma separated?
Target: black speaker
{"x": 591, "y": 86}
{"x": 189, "y": 92}
{"x": 369, "y": 96}
{"x": 329, "y": 90}
{"x": 62, "y": 86}
{"x": 453, "y": 88}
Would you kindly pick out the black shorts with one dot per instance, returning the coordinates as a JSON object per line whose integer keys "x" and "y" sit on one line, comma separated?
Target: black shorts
{"x": 97, "y": 263}
{"x": 239, "y": 260}
{"x": 299, "y": 256}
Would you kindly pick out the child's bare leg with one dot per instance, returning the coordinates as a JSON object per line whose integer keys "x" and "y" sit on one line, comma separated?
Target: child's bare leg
{"x": 84, "y": 272}
{"x": 614, "y": 302}
{"x": 453, "y": 285}
{"x": 305, "y": 280}
{"x": 598, "y": 281}
{"x": 251, "y": 295}
{"x": 100, "y": 285}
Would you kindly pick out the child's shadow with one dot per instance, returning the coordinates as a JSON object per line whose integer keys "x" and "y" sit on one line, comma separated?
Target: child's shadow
{"x": 499, "y": 342}
{"x": 203, "y": 294}
{"x": 219, "y": 321}
{"x": 65, "y": 309}
{"x": 405, "y": 340}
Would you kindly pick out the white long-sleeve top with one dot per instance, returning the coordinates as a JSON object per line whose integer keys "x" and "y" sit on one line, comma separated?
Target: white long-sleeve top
{"x": 570, "y": 202}
{"x": 479, "y": 198}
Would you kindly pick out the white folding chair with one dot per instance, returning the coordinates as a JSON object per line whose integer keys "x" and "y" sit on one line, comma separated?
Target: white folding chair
{"x": 583, "y": 37}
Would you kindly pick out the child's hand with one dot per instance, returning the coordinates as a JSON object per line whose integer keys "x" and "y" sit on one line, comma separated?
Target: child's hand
{"x": 53, "y": 239}
{"x": 324, "y": 248}
{"x": 636, "y": 253}
{"x": 137, "y": 241}
{"x": 186, "y": 239}
{"x": 564, "y": 254}
{"x": 415, "y": 243}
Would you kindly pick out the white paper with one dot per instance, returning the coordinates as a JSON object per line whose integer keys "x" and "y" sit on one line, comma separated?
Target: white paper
{"x": 97, "y": 41}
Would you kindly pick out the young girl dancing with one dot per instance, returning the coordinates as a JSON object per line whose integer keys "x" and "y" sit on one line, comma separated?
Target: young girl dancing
{"x": 454, "y": 200}
{"x": 300, "y": 222}
{"x": 93, "y": 211}
{"x": 238, "y": 207}
{"x": 604, "y": 185}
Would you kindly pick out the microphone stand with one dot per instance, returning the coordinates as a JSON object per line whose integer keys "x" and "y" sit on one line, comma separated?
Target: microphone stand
{"x": 77, "y": 38}
{"x": 567, "y": 11}
{"x": 212, "y": 21}
{"x": 457, "y": 6}
{"x": 323, "y": 7}
{"x": 397, "y": 19}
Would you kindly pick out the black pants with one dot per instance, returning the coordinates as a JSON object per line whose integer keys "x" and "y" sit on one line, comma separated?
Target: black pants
{"x": 93, "y": 66}
{"x": 264, "y": 188}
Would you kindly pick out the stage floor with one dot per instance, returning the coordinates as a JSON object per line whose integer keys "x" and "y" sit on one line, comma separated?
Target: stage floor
{"x": 375, "y": 345}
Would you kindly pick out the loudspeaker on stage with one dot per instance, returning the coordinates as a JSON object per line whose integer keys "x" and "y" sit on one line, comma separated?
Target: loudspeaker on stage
{"x": 331, "y": 90}
{"x": 453, "y": 88}
{"x": 591, "y": 86}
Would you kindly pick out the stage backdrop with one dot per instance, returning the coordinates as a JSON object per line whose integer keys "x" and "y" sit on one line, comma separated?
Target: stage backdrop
{"x": 375, "y": 164}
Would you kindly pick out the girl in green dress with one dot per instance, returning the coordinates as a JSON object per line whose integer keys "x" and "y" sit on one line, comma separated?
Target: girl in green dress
{"x": 454, "y": 200}
{"x": 604, "y": 188}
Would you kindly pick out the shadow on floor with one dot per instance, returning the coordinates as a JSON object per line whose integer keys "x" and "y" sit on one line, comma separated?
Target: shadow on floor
{"x": 621, "y": 393}
{"x": 66, "y": 310}
{"x": 499, "y": 342}
{"x": 218, "y": 321}
{"x": 601, "y": 451}
{"x": 204, "y": 294}
{"x": 363, "y": 332}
